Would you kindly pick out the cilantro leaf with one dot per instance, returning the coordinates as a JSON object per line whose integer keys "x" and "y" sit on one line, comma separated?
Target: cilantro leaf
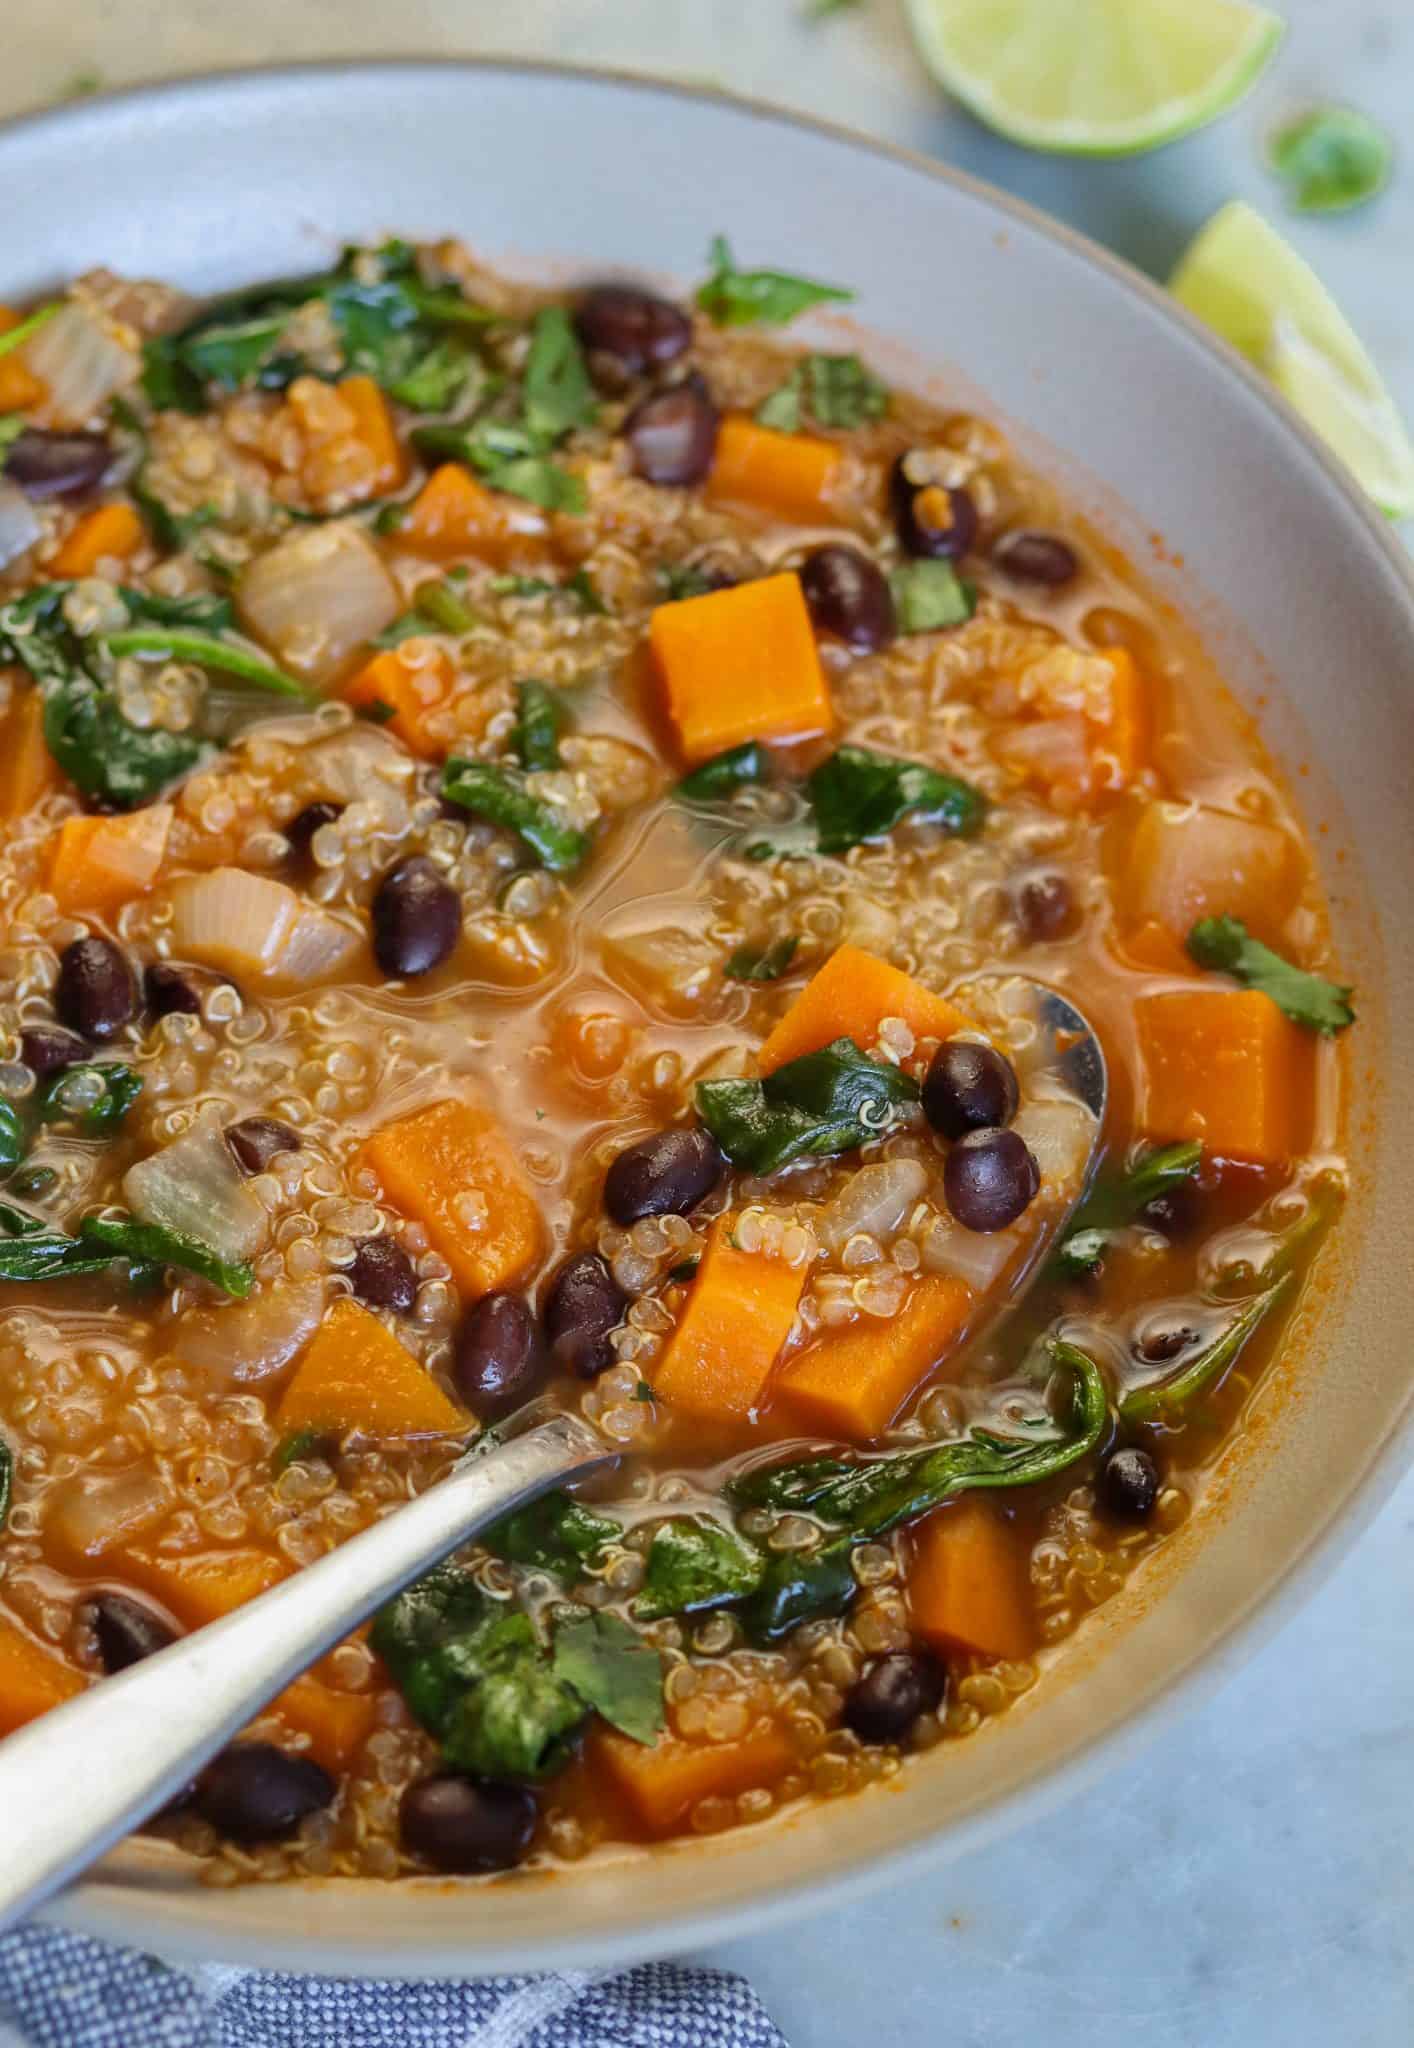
{"x": 858, "y": 794}
{"x": 558, "y": 395}
{"x": 929, "y": 595}
{"x": 781, "y": 409}
{"x": 1330, "y": 159}
{"x": 1226, "y": 945}
{"x": 745, "y": 298}
{"x": 814, "y": 1107}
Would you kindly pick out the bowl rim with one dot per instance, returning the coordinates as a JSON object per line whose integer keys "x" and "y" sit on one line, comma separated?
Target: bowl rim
{"x": 134, "y": 1914}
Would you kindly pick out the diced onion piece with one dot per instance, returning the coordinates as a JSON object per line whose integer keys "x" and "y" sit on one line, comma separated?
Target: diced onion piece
{"x": 193, "y": 1185}
{"x": 19, "y": 524}
{"x": 229, "y": 919}
{"x": 361, "y": 766}
{"x": 94, "y": 1515}
{"x": 80, "y": 364}
{"x": 317, "y": 596}
{"x": 254, "y": 1339}
{"x": 671, "y": 966}
{"x": 319, "y": 946}
{"x": 979, "y": 1257}
{"x": 1060, "y": 1134}
{"x": 1050, "y": 750}
{"x": 874, "y": 1200}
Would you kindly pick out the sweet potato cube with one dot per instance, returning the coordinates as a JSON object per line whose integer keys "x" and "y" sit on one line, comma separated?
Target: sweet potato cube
{"x": 740, "y": 664}
{"x": 1184, "y": 861}
{"x": 202, "y": 1585}
{"x": 853, "y": 1381}
{"x": 110, "y": 533}
{"x": 450, "y": 1166}
{"x": 99, "y": 864}
{"x": 1225, "y": 1066}
{"x": 454, "y": 515}
{"x": 19, "y": 387}
{"x": 33, "y": 1678}
{"x": 355, "y": 1375}
{"x": 967, "y": 1583}
{"x": 791, "y": 476}
{"x": 393, "y": 682}
{"x": 337, "y": 1723}
{"x": 373, "y": 426}
{"x": 1119, "y": 721}
{"x": 738, "y": 1317}
{"x": 27, "y": 768}
{"x": 850, "y": 997}
{"x": 659, "y": 1786}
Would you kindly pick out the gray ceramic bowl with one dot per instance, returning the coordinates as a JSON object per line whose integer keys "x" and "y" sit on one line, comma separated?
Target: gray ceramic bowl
{"x": 1150, "y": 426}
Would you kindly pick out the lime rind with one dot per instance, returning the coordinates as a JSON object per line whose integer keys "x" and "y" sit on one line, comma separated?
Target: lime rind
{"x": 1246, "y": 282}
{"x": 1094, "y": 77}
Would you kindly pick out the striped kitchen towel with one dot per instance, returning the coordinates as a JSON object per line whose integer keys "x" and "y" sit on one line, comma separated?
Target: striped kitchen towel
{"x": 62, "y": 1990}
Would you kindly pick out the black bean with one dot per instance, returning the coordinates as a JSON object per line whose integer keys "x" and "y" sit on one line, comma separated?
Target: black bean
{"x": 1177, "y": 1212}
{"x": 47, "y": 1049}
{"x": 849, "y": 596}
{"x": 969, "y": 1087}
{"x": 463, "y": 1825}
{"x": 51, "y": 465}
{"x": 663, "y": 1175}
{"x": 127, "y": 1630}
{"x": 302, "y": 829}
{"x": 672, "y": 434}
{"x": 170, "y": 989}
{"x": 1128, "y": 1484}
{"x": 500, "y": 1358}
{"x": 932, "y": 519}
{"x": 1163, "y": 1337}
{"x": 254, "y": 1792}
{"x": 989, "y": 1178}
{"x": 382, "y": 1274}
{"x": 95, "y": 993}
{"x": 583, "y": 1304}
{"x": 884, "y": 1703}
{"x": 417, "y": 917}
{"x": 1045, "y": 904}
{"x": 256, "y": 1140}
{"x": 641, "y": 331}
{"x": 1036, "y": 558}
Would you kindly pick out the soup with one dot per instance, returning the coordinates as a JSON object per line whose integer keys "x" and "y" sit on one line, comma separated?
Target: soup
{"x": 559, "y": 854}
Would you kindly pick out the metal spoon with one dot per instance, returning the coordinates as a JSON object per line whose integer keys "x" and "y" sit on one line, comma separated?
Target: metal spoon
{"x": 86, "y": 1773}
{"x": 75, "y": 1781}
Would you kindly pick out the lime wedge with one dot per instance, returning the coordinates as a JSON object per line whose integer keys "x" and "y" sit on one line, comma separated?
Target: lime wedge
{"x": 1244, "y": 280}
{"x": 1094, "y": 77}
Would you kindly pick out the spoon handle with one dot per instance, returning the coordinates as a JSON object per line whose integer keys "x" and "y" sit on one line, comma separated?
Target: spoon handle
{"x": 76, "y": 1780}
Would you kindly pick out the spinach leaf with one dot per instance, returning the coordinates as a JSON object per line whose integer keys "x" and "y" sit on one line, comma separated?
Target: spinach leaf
{"x": 929, "y": 595}
{"x": 786, "y": 1487}
{"x": 226, "y": 657}
{"x": 500, "y": 795}
{"x": 744, "y": 298}
{"x": 13, "y": 1144}
{"x": 540, "y": 719}
{"x": 767, "y": 964}
{"x": 446, "y": 375}
{"x": 1225, "y": 944}
{"x": 1115, "y": 1204}
{"x": 800, "y": 1587}
{"x": 32, "y": 1182}
{"x": 474, "y": 1672}
{"x": 684, "y": 579}
{"x": 32, "y": 1249}
{"x": 1165, "y": 1400}
{"x": 151, "y": 1244}
{"x": 608, "y": 1665}
{"x": 168, "y": 381}
{"x": 295, "y": 1448}
{"x": 867, "y": 1500}
{"x": 558, "y": 395}
{"x": 695, "y": 1564}
{"x": 105, "y": 755}
{"x": 507, "y": 456}
{"x": 858, "y": 794}
{"x": 581, "y": 587}
{"x": 121, "y": 1088}
{"x": 824, "y": 1103}
{"x": 725, "y": 773}
{"x": 517, "y": 1718}
{"x": 436, "y": 607}
{"x": 556, "y": 1534}
{"x": 198, "y": 611}
{"x": 837, "y": 389}
{"x": 1331, "y": 158}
